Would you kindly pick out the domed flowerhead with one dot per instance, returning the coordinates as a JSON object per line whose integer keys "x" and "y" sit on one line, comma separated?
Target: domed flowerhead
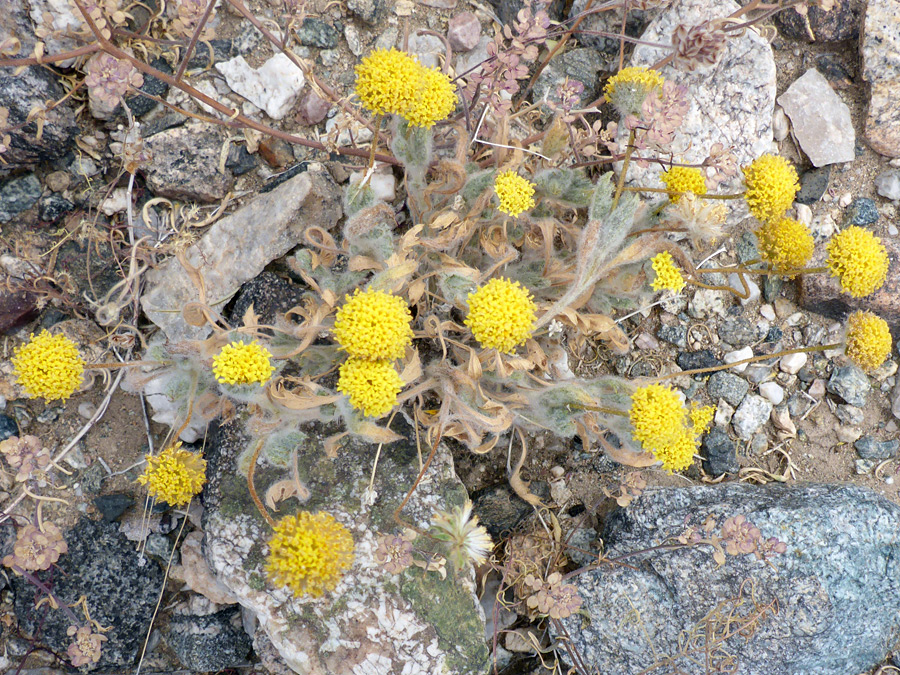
{"x": 501, "y": 315}
{"x": 388, "y": 81}
{"x": 36, "y": 548}
{"x": 683, "y": 179}
{"x": 627, "y": 89}
{"x": 243, "y": 363}
{"x": 772, "y": 184}
{"x": 435, "y": 99}
{"x": 309, "y": 553}
{"x": 785, "y": 244}
{"x": 516, "y": 194}
{"x": 48, "y": 366}
{"x": 668, "y": 276}
{"x": 373, "y": 325}
{"x": 372, "y": 386}
{"x": 858, "y": 260}
{"x": 174, "y": 476}
{"x": 868, "y": 340}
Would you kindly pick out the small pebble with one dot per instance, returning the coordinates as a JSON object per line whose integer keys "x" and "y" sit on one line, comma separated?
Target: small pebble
{"x": 739, "y": 355}
{"x": 792, "y": 363}
{"x": 844, "y": 200}
{"x": 767, "y": 312}
{"x": 772, "y": 391}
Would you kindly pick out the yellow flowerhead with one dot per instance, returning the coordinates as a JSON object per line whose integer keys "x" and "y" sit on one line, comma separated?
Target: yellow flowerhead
{"x": 501, "y": 315}
{"x": 683, "y": 179}
{"x": 661, "y": 425}
{"x": 859, "y": 261}
{"x": 309, "y": 553}
{"x": 668, "y": 276}
{"x": 372, "y": 386}
{"x": 785, "y": 244}
{"x": 388, "y": 81}
{"x": 627, "y": 89}
{"x": 174, "y": 476}
{"x": 435, "y": 99}
{"x": 48, "y": 366}
{"x": 772, "y": 184}
{"x": 701, "y": 417}
{"x": 373, "y": 325}
{"x": 516, "y": 194}
{"x": 243, "y": 363}
{"x": 677, "y": 454}
{"x": 868, "y": 340}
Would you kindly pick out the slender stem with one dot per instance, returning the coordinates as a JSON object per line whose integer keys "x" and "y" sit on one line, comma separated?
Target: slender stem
{"x": 624, "y": 170}
{"x": 378, "y": 120}
{"x": 600, "y": 408}
{"x": 250, "y": 486}
{"x": 752, "y": 359}
{"x": 194, "y": 38}
{"x": 765, "y": 270}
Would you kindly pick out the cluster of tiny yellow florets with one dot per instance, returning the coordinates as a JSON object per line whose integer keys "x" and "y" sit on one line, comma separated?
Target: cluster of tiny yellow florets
{"x": 627, "y": 89}
{"x": 371, "y": 386}
{"x": 389, "y": 81}
{"x": 868, "y": 340}
{"x": 49, "y": 366}
{"x": 772, "y": 184}
{"x": 785, "y": 244}
{"x": 243, "y": 363}
{"x": 680, "y": 179}
{"x": 516, "y": 194}
{"x": 501, "y": 315}
{"x": 668, "y": 276}
{"x": 859, "y": 261}
{"x": 174, "y": 476}
{"x": 309, "y": 553}
{"x": 373, "y": 325}
{"x": 661, "y": 425}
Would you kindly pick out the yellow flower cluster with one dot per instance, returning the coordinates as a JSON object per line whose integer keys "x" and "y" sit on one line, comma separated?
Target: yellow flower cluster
{"x": 501, "y": 315}
{"x": 859, "y": 261}
{"x": 785, "y": 244}
{"x": 516, "y": 194}
{"x": 661, "y": 425}
{"x": 243, "y": 363}
{"x": 373, "y": 325}
{"x": 371, "y": 386}
{"x": 868, "y": 340}
{"x": 627, "y": 89}
{"x": 48, "y": 366}
{"x": 772, "y": 184}
{"x": 668, "y": 276}
{"x": 683, "y": 179}
{"x": 174, "y": 476}
{"x": 389, "y": 81}
{"x": 309, "y": 553}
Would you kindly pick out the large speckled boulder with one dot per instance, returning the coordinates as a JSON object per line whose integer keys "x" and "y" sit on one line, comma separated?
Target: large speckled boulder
{"x": 373, "y": 622}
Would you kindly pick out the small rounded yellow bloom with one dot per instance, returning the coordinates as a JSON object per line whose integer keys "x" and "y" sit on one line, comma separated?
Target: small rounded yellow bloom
{"x": 388, "y": 81}
{"x": 868, "y": 340}
{"x": 668, "y": 276}
{"x": 372, "y": 386}
{"x": 627, "y": 89}
{"x": 309, "y": 553}
{"x": 373, "y": 325}
{"x": 48, "y": 366}
{"x": 859, "y": 261}
{"x": 657, "y": 416}
{"x": 174, "y": 476}
{"x": 772, "y": 184}
{"x": 683, "y": 179}
{"x": 243, "y": 363}
{"x": 785, "y": 244}
{"x": 501, "y": 315}
{"x": 434, "y": 101}
{"x": 516, "y": 194}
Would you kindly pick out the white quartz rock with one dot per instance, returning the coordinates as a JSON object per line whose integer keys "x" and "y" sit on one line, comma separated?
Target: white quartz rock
{"x": 272, "y": 87}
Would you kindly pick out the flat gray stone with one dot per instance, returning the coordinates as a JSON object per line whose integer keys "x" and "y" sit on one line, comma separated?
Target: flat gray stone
{"x": 821, "y": 120}
{"x": 186, "y": 163}
{"x": 880, "y": 48}
{"x": 237, "y": 248}
{"x": 837, "y": 585}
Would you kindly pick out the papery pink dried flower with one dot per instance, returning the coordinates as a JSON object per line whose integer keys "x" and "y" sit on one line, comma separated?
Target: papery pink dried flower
{"x": 740, "y": 536}
{"x": 35, "y": 549}
{"x": 394, "y": 553}
{"x": 770, "y": 547}
{"x": 86, "y": 647}
{"x": 26, "y": 454}
{"x": 662, "y": 114}
{"x": 109, "y": 78}
{"x": 553, "y": 598}
{"x": 698, "y": 46}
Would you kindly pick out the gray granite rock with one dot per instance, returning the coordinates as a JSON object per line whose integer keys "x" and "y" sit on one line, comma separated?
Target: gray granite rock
{"x": 880, "y": 46}
{"x": 851, "y": 384}
{"x": 608, "y": 21}
{"x": 738, "y": 331}
{"x": 581, "y": 65}
{"x": 208, "y": 643}
{"x": 186, "y": 163}
{"x": 731, "y": 103}
{"x": 237, "y": 248}
{"x": 820, "y": 119}
{"x": 733, "y": 388}
{"x": 869, "y": 448}
{"x": 750, "y": 415}
{"x": 837, "y": 586}
{"x": 719, "y": 453}
{"x": 675, "y": 335}
{"x": 18, "y": 194}
{"x": 317, "y": 33}
{"x": 862, "y": 212}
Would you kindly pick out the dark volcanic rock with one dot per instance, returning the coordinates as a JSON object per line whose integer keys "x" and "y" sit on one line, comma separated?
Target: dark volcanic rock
{"x": 208, "y": 643}
{"x": 841, "y": 22}
{"x": 837, "y": 586}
